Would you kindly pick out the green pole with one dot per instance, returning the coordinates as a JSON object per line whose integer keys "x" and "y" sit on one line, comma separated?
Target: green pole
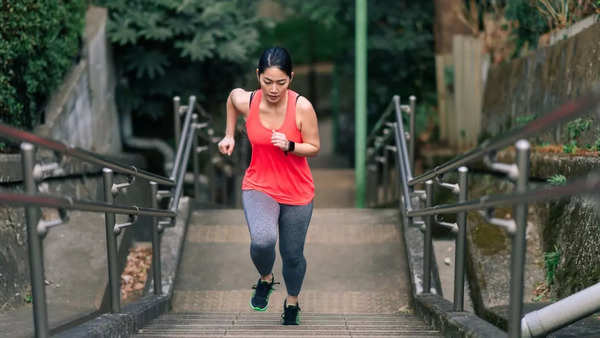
{"x": 361, "y": 101}
{"x": 335, "y": 107}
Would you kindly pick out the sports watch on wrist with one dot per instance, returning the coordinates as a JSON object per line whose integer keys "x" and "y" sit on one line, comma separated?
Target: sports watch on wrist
{"x": 291, "y": 147}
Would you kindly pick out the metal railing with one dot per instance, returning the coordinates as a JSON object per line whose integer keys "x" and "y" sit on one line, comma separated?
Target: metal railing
{"x": 380, "y": 146}
{"x": 32, "y": 200}
{"x": 221, "y": 172}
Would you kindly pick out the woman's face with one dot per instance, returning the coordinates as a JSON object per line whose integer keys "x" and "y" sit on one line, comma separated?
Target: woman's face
{"x": 274, "y": 83}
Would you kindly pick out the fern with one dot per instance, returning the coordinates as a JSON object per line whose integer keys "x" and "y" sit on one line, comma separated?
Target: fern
{"x": 168, "y": 47}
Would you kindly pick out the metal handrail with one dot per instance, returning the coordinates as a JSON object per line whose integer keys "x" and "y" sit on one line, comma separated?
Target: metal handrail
{"x": 18, "y": 135}
{"x": 181, "y": 145}
{"x": 381, "y": 121}
{"x": 37, "y": 228}
{"x": 55, "y": 202}
{"x": 543, "y": 321}
{"x": 588, "y": 184}
{"x": 567, "y": 111}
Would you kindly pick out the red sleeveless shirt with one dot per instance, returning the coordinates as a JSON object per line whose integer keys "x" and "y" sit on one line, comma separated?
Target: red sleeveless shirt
{"x": 287, "y": 179}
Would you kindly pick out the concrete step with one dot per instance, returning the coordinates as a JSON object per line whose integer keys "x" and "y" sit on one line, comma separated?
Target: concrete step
{"x": 268, "y": 325}
{"x": 324, "y": 216}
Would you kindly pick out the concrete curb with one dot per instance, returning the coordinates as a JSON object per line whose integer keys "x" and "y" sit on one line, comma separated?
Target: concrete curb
{"x": 136, "y": 315}
{"x": 133, "y": 317}
{"x": 433, "y": 308}
{"x": 439, "y": 313}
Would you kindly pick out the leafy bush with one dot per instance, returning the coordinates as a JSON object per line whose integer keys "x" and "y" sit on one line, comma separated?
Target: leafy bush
{"x": 171, "y": 47}
{"x": 39, "y": 42}
{"x": 557, "y": 179}
{"x": 530, "y": 23}
{"x": 400, "y": 46}
{"x": 577, "y": 127}
{"x": 570, "y": 147}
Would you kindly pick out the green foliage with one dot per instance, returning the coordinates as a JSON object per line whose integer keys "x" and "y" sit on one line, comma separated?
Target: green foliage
{"x": 171, "y": 47}
{"x": 531, "y": 23}
{"x": 596, "y": 145}
{"x": 39, "y": 41}
{"x": 524, "y": 119}
{"x": 577, "y": 127}
{"x": 306, "y": 40}
{"x": 557, "y": 180}
{"x": 400, "y": 46}
{"x": 551, "y": 260}
{"x": 570, "y": 147}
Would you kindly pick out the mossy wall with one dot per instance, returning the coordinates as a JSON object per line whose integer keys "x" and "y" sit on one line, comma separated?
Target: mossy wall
{"x": 535, "y": 84}
{"x": 529, "y": 87}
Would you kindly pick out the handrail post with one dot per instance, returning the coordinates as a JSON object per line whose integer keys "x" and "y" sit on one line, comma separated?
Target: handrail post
{"x": 114, "y": 284}
{"x": 224, "y": 196}
{"x": 519, "y": 243}
{"x": 413, "y": 101}
{"x": 427, "y": 245}
{"x": 403, "y": 175}
{"x": 36, "y": 254}
{"x": 177, "y": 120}
{"x": 211, "y": 172}
{"x": 461, "y": 239}
{"x": 156, "y": 267}
{"x": 195, "y": 161}
{"x": 385, "y": 175}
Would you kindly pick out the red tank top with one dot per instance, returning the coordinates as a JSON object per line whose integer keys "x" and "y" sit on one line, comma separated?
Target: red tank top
{"x": 285, "y": 178}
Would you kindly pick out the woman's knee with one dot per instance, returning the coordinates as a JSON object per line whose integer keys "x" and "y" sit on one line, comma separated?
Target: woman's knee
{"x": 263, "y": 244}
{"x": 292, "y": 260}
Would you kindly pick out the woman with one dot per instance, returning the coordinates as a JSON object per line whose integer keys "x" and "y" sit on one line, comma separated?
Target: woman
{"x": 278, "y": 189}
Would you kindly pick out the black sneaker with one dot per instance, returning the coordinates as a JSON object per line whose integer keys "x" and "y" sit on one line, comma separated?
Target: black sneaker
{"x": 260, "y": 297}
{"x": 291, "y": 314}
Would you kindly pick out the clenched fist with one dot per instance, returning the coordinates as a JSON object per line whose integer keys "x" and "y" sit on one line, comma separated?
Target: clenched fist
{"x": 280, "y": 141}
{"x": 226, "y": 145}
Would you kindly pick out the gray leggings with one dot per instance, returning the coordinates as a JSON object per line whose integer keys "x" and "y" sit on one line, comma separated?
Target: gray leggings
{"x": 263, "y": 214}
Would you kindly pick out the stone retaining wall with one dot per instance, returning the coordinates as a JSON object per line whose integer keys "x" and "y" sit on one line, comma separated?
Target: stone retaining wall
{"x": 518, "y": 91}
{"x": 82, "y": 112}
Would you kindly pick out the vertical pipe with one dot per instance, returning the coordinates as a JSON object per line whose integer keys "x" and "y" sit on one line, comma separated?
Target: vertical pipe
{"x": 361, "y": 100}
{"x": 224, "y": 195}
{"x": 114, "y": 282}
{"x": 427, "y": 245}
{"x": 385, "y": 174}
{"x": 36, "y": 255}
{"x": 461, "y": 239}
{"x": 195, "y": 160}
{"x": 176, "y": 120}
{"x": 369, "y": 189}
{"x": 413, "y": 136}
{"x": 335, "y": 107}
{"x": 211, "y": 172}
{"x": 519, "y": 243}
{"x": 156, "y": 267}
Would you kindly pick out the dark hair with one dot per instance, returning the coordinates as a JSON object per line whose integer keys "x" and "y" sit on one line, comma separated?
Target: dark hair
{"x": 275, "y": 57}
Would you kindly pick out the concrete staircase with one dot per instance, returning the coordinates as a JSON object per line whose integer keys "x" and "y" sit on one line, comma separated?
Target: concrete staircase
{"x": 356, "y": 282}
{"x": 268, "y": 325}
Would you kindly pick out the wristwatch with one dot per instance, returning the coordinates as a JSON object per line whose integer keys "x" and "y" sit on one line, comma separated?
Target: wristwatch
{"x": 291, "y": 147}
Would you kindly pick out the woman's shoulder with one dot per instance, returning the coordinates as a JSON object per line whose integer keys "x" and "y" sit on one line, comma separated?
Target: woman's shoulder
{"x": 241, "y": 99}
{"x": 303, "y": 105}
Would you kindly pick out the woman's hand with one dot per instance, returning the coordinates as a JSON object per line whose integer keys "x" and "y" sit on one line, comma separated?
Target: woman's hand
{"x": 280, "y": 140}
{"x": 226, "y": 145}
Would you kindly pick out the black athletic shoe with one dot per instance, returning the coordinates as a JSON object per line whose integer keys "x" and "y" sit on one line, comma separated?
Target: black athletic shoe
{"x": 260, "y": 297}
{"x": 291, "y": 314}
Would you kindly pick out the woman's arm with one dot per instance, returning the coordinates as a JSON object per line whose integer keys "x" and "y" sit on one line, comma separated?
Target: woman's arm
{"x": 306, "y": 120}
{"x": 237, "y": 104}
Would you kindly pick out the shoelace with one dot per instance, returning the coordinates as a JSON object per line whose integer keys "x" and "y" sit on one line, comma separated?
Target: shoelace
{"x": 263, "y": 288}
